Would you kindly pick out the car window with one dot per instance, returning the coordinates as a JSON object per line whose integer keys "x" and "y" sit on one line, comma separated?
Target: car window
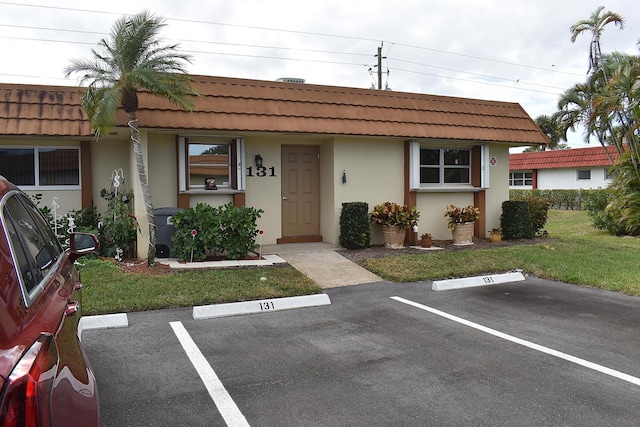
{"x": 34, "y": 246}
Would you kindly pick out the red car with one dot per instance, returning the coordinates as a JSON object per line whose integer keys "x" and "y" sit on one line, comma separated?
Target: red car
{"x": 45, "y": 378}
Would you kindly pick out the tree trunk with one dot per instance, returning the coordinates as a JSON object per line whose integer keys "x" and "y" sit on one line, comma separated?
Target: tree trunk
{"x": 144, "y": 185}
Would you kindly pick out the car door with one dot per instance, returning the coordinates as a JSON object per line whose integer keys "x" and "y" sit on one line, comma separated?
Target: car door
{"x": 48, "y": 310}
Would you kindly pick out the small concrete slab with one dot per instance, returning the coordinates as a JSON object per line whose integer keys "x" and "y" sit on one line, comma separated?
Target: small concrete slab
{"x": 469, "y": 282}
{"x": 259, "y": 306}
{"x": 105, "y": 321}
{"x": 329, "y": 269}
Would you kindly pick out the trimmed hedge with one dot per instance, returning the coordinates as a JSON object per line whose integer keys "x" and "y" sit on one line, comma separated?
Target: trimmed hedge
{"x": 355, "y": 230}
{"x": 515, "y": 220}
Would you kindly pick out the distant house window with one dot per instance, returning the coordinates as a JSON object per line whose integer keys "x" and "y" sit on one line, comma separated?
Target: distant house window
{"x": 445, "y": 166}
{"x": 584, "y": 174}
{"x": 211, "y": 164}
{"x": 41, "y": 166}
{"x": 608, "y": 174}
{"x": 520, "y": 179}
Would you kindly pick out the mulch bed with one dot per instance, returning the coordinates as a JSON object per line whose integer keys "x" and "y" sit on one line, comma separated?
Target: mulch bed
{"x": 359, "y": 256}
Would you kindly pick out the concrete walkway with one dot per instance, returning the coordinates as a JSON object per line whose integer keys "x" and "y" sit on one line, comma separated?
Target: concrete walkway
{"x": 319, "y": 261}
{"x": 322, "y": 264}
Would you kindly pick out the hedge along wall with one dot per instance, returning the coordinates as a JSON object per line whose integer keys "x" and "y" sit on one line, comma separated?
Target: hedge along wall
{"x": 560, "y": 199}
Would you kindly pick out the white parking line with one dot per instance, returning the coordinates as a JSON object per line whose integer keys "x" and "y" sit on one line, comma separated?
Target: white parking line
{"x": 225, "y": 404}
{"x": 529, "y": 344}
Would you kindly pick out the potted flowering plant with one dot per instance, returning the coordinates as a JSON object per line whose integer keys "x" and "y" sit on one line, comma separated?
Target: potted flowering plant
{"x": 425, "y": 240}
{"x": 457, "y": 215}
{"x": 460, "y": 220}
{"x": 394, "y": 219}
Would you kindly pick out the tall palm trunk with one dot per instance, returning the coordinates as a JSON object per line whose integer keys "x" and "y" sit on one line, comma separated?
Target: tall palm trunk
{"x": 144, "y": 186}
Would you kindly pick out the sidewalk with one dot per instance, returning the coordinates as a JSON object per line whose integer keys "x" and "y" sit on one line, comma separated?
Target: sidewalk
{"x": 322, "y": 263}
{"x": 318, "y": 261}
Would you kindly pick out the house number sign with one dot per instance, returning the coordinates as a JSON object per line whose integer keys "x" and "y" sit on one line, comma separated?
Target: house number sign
{"x": 261, "y": 171}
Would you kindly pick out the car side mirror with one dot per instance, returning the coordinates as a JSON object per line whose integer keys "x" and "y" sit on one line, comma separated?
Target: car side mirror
{"x": 82, "y": 244}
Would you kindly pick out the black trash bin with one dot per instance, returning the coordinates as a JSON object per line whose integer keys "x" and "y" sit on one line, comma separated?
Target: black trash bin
{"x": 164, "y": 231}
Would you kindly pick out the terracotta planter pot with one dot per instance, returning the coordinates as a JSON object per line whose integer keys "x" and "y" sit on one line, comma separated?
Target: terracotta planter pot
{"x": 495, "y": 237}
{"x": 393, "y": 236}
{"x": 426, "y": 242}
{"x": 463, "y": 234}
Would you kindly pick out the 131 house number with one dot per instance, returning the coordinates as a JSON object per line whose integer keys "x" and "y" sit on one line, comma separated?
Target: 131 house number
{"x": 267, "y": 305}
{"x": 261, "y": 171}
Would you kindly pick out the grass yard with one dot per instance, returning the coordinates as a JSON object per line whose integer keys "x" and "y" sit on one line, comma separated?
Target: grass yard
{"x": 575, "y": 253}
{"x": 107, "y": 289}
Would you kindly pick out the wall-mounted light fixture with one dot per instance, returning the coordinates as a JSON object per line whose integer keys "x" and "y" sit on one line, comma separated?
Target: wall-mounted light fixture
{"x": 258, "y": 160}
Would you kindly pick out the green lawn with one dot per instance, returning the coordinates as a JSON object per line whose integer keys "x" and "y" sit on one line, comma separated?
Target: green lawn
{"x": 575, "y": 253}
{"x": 108, "y": 290}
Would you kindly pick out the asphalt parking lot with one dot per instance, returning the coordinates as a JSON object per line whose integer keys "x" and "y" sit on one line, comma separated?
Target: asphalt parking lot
{"x": 527, "y": 353}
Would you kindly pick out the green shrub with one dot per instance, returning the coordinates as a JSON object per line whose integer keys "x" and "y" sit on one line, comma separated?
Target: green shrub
{"x": 119, "y": 226}
{"x": 538, "y": 209}
{"x": 515, "y": 220}
{"x": 355, "y": 230}
{"x": 224, "y": 231}
{"x": 624, "y": 201}
{"x": 596, "y": 202}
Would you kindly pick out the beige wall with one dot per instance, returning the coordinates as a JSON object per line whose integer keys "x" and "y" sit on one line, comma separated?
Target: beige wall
{"x": 107, "y": 156}
{"x": 374, "y": 169}
{"x": 162, "y": 169}
{"x": 264, "y": 192}
{"x": 499, "y": 189}
{"x": 432, "y": 206}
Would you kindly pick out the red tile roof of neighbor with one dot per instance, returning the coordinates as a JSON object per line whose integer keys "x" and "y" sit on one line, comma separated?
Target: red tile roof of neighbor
{"x": 559, "y": 159}
{"x": 241, "y": 105}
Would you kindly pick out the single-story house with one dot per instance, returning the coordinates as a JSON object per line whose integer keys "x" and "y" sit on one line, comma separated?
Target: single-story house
{"x": 295, "y": 150}
{"x": 578, "y": 168}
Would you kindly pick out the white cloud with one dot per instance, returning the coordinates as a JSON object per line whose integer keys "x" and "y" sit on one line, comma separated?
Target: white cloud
{"x": 431, "y": 47}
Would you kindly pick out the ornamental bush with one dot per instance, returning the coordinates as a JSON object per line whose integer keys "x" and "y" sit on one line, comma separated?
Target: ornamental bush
{"x": 227, "y": 231}
{"x": 515, "y": 220}
{"x": 355, "y": 231}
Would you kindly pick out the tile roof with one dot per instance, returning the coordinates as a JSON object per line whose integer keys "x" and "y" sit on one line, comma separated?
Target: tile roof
{"x": 241, "y": 105}
{"x": 561, "y": 159}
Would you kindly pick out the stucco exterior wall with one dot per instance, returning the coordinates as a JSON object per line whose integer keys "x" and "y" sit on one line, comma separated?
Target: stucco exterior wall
{"x": 162, "y": 170}
{"x": 498, "y": 190}
{"x": 265, "y": 192}
{"x": 107, "y": 156}
{"x": 374, "y": 170}
{"x": 567, "y": 179}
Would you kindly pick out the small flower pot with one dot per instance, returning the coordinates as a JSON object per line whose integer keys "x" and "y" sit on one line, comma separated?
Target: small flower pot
{"x": 426, "y": 242}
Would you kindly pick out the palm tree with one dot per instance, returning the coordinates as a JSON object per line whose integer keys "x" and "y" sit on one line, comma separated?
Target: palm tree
{"x": 595, "y": 24}
{"x": 131, "y": 60}
{"x": 549, "y": 126}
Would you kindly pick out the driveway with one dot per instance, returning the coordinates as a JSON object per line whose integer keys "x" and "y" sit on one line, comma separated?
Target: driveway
{"x": 528, "y": 353}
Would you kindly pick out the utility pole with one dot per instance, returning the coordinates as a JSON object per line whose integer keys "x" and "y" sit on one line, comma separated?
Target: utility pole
{"x": 379, "y": 55}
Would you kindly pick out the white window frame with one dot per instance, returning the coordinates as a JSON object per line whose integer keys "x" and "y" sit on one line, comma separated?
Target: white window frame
{"x": 36, "y": 167}
{"x": 523, "y": 179}
{"x": 236, "y": 145}
{"x": 414, "y": 168}
{"x": 583, "y": 170}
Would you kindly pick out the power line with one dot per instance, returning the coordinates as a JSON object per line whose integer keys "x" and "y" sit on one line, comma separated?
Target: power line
{"x": 306, "y": 33}
{"x": 289, "y": 48}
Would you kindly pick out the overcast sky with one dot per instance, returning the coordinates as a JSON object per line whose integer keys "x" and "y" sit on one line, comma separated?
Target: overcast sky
{"x": 507, "y": 50}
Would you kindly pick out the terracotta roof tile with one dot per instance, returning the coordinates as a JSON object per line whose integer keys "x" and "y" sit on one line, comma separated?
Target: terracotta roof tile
{"x": 263, "y": 106}
{"x": 559, "y": 159}
{"x": 42, "y": 110}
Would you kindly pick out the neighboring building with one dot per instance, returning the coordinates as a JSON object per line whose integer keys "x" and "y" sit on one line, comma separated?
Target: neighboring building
{"x": 578, "y": 168}
{"x": 297, "y": 151}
